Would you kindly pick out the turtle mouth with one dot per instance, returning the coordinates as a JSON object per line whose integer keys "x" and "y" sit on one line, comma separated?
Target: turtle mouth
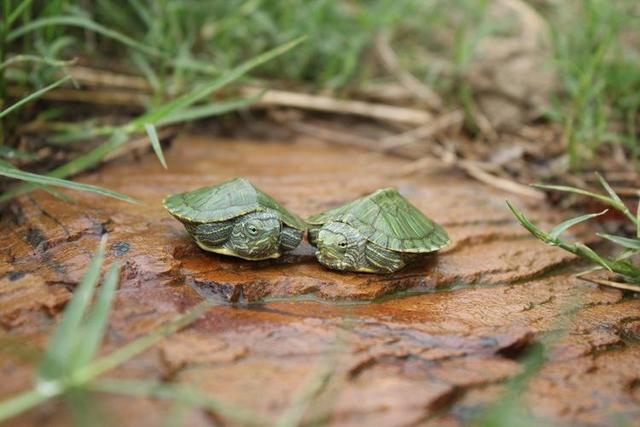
{"x": 330, "y": 259}
{"x": 268, "y": 246}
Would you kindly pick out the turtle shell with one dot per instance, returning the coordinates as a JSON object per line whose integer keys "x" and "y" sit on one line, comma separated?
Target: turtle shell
{"x": 225, "y": 201}
{"x": 388, "y": 220}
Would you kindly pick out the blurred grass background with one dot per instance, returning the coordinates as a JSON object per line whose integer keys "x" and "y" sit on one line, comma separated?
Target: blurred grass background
{"x": 590, "y": 49}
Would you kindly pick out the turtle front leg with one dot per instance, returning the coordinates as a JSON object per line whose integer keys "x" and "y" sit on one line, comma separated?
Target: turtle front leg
{"x": 381, "y": 260}
{"x": 290, "y": 238}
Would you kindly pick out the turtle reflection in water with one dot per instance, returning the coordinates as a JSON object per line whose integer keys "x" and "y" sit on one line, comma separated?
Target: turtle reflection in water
{"x": 378, "y": 233}
{"x": 235, "y": 218}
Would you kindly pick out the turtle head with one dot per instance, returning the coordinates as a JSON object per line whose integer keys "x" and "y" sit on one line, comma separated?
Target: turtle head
{"x": 256, "y": 235}
{"x": 340, "y": 246}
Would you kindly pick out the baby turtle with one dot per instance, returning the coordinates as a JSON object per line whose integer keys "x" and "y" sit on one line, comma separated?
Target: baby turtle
{"x": 235, "y": 218}
{"x": 378, "y": 233}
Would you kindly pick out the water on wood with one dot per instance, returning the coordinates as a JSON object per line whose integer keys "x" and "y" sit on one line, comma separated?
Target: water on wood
{"x": 431, "y": 344}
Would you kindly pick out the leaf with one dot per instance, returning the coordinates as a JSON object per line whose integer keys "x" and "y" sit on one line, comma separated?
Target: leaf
{"x": 35, "y": 95}
{"x": 155, "y": 143}
{"x": 167, "y": 110}
{"x": 47, "y": 180}
{"x": 96, "y": 323}
{"x": 82, "y": 22}
{"x": 560, "y": 228}
{"x": 67, "y": 334}
{"x": 622, "y": 241}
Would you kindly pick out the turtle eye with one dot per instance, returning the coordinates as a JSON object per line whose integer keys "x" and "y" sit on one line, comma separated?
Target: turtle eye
{"x": 252, "y": 229}
{"x": 342, "y": 244}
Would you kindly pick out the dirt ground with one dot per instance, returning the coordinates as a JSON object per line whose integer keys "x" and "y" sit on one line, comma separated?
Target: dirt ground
{"x": 430, "y": 345}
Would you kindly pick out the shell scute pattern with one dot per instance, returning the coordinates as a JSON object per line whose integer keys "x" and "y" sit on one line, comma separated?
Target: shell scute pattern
{"x": 225, "y": 201}
{"x": 390, "y": 221}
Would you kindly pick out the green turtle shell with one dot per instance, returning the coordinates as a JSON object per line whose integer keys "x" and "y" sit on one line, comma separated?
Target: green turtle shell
{"x": 225, "y": 201}
{"x": 388, "y": 220}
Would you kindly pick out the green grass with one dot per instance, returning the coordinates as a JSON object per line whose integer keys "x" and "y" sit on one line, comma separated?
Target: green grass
{"x": 180, "y": 45}
{"x": 179, "y": 109}
{"x": 628, "y": 246}
{"x": 597, "y": 59}
{"x": 73, "y": 370}
{"x": 71, "y": 367}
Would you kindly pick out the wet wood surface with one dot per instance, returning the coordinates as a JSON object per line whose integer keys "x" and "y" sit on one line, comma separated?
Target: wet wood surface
{"x": 430, "y": 345}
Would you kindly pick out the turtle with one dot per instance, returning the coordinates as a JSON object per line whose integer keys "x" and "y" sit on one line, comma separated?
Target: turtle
{"x": 378, "y": 233}
{"x": 236, "y": 218}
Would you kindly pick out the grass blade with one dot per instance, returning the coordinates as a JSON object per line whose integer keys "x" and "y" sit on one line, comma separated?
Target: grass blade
{"x": 137, "y": 346}
{"x": 55, "y": 193}
{"x": 178, "y": 393}
{"x": 12, "y": 153}
{"x": 201, "y": 112}
{"x": 560, "y": 228}
{"x": 155, "y": 143}
{"x": 37, "y": 59}
{"x": 35, "y": 95}
{"x": 638, "y": 220}
{"x": 17, "y": 12}
{"x": 586, "y": 252}
{"x": 619, "y": 204}
{"x": 82, "y": 22}
{"x": 48, "y": 180}
{"x": 76, "y": 165}
{"x": 613, "y": 201}
{"x": 625, "y": 242}
{"x": 56, "y": 375}
{"x": 541, "y": 235}
{"x": 608, "y": 189}
{"x": 97, "y": 321}
{"x": 22, "y": 402}
{"x": 59, "y": 195}
{"x": 154, "y": 116}
{"x": 68, "y": 332}
{"x": 579, "y": 191}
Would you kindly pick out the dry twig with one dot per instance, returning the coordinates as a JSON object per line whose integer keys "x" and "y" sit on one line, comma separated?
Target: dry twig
{"x": 118, "y": 98}
{"x": 428, "y": 130}
{"x": 611, "y": 284}
{"x": 99, "y": 78}
{"x": 476, "y": 171}
{"x": 332, "y": 105}
{"x": 334, "y": 136}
